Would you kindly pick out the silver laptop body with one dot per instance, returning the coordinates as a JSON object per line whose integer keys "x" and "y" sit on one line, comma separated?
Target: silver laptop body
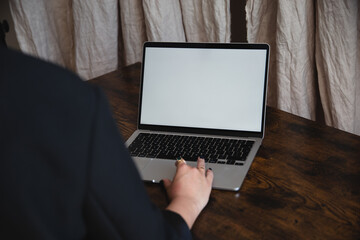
{"x": 213, "y": 90}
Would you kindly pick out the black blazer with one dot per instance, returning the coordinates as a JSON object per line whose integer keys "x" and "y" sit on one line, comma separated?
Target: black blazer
{"x": 64, "y": 170}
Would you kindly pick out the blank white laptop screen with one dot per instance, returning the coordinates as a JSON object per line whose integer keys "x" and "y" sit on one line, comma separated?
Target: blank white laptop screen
{"x": 204, "y": 88}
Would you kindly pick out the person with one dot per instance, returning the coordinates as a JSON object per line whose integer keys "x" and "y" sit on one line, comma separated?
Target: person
{"x": 64, "y": 170}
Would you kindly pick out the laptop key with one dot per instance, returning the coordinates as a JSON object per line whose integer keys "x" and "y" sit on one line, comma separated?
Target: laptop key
{"x": 239, "y": 163}
{"x": 213, "y": 160}
{"x": 221, "y": 161}
{"x": 230, "y": 162}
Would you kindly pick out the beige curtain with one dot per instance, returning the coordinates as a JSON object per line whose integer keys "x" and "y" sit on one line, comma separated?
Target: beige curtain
{"x": 94, "y": 37}
{"x": 315, "y": 54}
{"x": 172, "y": 20}
{"x": 79, "y": 35}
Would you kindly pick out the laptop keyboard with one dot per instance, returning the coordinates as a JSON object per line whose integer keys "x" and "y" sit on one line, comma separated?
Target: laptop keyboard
{"x": 214, "y": 150}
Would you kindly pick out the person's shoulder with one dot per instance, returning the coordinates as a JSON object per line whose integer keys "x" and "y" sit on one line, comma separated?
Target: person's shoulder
{"x": 24, "y": 67}
{"x": 23, "y": 74}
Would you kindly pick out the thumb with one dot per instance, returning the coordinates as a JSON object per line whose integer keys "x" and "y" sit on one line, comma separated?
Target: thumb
{"x": 210, "y": 176}
{"x": 167, "y": 183}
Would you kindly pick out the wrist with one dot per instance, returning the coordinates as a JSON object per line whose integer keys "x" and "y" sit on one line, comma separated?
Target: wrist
{"x": 186, "y": 208}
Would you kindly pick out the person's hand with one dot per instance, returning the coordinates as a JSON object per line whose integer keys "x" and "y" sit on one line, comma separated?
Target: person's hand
{"x": 190, "y": 189}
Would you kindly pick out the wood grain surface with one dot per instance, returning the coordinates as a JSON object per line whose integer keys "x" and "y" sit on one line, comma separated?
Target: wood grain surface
{"x": 303, "y": 184}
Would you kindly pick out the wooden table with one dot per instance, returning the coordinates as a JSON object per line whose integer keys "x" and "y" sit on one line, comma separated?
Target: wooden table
{"x": 303, "y": 184}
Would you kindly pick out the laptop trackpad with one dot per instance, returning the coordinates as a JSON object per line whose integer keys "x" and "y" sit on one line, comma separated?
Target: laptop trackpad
{"x": 141, "y": 163}
{"x": 158, "y": 169}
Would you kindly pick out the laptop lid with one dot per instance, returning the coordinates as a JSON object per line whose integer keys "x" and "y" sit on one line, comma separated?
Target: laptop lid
{"x": 208, "y": 88}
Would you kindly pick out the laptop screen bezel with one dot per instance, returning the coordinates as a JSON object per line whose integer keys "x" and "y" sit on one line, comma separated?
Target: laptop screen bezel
{"x": 207, "y": 131}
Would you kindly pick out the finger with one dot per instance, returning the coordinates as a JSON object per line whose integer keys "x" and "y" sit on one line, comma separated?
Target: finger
{"x": 201, "y": 164}
{"x": 167, "y": 183}
{"x": 179, "y": 161}
{"x": 209, "y": 176}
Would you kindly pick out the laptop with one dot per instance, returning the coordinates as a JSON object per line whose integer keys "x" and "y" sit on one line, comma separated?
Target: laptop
{"x": 200, "y": 99}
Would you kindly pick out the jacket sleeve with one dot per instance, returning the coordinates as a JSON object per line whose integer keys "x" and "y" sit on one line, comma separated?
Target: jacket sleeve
{"x": 116, "y": 205}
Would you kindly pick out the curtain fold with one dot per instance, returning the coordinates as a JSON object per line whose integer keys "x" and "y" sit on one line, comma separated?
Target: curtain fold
{"x": 314, "y": 52}
{"x": 79, "y": 35}
{"x": 84, "y": 35}
{"x": 163, "y": 20}
{"x": 206, "y": 20}
{"x": 338, "y": 62}
{"x": 289, "y": 29}
{"x": 95, "y": 37}
{"x": 172, "y": 20}
{"x": 44, "y": 28}
{"x": 133, "y": 30}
